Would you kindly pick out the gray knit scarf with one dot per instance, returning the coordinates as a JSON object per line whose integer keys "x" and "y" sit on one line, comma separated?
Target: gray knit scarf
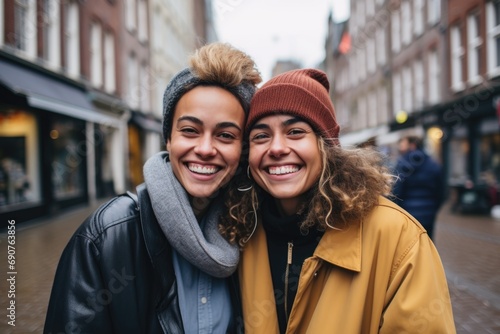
{"x": 206, "y": 249}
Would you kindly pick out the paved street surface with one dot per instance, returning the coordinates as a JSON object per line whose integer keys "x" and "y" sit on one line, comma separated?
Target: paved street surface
{"x": 469, "y": 247}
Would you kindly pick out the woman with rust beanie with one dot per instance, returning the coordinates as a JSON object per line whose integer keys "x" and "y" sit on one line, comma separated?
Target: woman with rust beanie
{"x": 324, "y": 251}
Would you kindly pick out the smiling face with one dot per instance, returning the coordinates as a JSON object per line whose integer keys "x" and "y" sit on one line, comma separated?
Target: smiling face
{"x": 284, "y": 159}
{"x": 206, "y": 141}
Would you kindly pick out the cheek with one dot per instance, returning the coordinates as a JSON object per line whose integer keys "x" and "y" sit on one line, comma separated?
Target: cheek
{"x": 254, "y": 158}
{"x": 317, "y": 168}
{"x": 232, "y": 157}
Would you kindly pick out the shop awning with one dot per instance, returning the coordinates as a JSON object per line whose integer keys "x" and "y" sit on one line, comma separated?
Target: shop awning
{"x": 358, "y": 137}
{"x": 146, "y": 122}
{"x": 48, "y": 93}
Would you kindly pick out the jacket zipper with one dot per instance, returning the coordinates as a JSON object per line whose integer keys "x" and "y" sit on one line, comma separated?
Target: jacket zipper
{"x": 287, "y": 271}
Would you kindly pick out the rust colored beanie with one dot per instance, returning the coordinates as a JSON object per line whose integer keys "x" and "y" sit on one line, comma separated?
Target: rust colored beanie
{"x": 302, "y": 93}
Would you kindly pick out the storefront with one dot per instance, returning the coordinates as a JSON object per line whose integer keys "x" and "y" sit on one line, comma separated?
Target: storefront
{"x": 50, "y": 137}
{"x": 145, "y": 139}
{"x": 470, "y": 149}
{"x": 20, "y": 181}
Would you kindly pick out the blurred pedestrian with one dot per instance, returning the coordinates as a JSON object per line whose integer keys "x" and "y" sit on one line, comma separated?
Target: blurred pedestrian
{"x": 419, "y": 187}
{"x": 324, "y": 250}
{"x": 160, "y": 265}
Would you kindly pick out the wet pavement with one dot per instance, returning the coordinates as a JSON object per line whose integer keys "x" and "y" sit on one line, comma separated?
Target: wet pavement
{"x": 469, "y": 247}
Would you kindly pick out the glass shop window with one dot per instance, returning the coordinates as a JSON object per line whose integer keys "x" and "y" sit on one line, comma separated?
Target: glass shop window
{"x": 20, "y": 184}
{"x": 69, "y": 158}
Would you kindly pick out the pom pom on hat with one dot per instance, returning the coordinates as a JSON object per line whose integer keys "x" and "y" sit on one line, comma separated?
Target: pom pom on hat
{"x": 302, "y": 93}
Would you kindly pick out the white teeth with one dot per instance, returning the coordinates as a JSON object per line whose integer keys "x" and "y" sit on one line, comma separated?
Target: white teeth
{"x": 283, "y": 170}
{"x": 202, "y": 169}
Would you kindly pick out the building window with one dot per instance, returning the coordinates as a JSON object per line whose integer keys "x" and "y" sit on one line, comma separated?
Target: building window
{"x": 133, "y": 82}
{"x": 396, "y": 93}
{"x": 109, "y": 63}
{"x": 20, "y": 180}
{"x": 361, "y": 12}
{"x": 407, "y": 90}
{"x": 145, "y": 88}
{"x": 493, "y": 31}
{"x": 130, "y": 18}
{"x": 370, "y": 8}
{"x": 473, "y": 49}
{"x": 72, "y": 39}
{"x": 157, "y": 26}
{"x": 96, "y": 54}
{"x": 457, "y": 59}
{"x": 25, "y": 26}
{"x": 380, "y": 45}
{"x": 362, "y": 113}
{"x": 68, "y": 166}
{"x": 418, "y": 14}
{"x": 362, "y": 64}
{"x": 2, "y": 15}
{"x": 418, "y": 74}
{"x": 371, "y": 56}
{"x": 382, "y": 105}
{"x": 142, "y": 11}
{"x": 433, "y": 11}
{"x": 434, "y": 89}
{"x": 159, "y": 87}
{"x": 406, "y": 22}
{"x": 51, "y": 33}
{"x": 372, "y": 110}
{"x": 395, "y": 31}
{"x": 352, "y": 71}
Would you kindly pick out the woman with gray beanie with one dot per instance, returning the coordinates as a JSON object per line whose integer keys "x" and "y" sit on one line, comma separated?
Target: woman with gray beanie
{"x": 156, "y": 262}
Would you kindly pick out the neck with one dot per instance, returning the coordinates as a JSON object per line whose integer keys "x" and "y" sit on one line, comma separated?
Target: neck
{"x": 288, "y": 206}
{"x": 199, "y": 206}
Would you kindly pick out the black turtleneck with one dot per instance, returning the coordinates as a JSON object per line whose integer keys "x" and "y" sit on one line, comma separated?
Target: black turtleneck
{"x": 280, "y": 231}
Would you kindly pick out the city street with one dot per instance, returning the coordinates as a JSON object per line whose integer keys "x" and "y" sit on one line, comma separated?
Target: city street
{"x": 469, "y": 247}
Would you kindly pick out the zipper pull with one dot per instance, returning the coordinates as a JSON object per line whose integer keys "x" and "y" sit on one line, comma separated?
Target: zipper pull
{"x": 290, "y": 248}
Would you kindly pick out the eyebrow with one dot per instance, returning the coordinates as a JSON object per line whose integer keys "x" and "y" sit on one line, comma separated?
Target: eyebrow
{"x": 198, "y": 121}
{"x": 286, "y": 123}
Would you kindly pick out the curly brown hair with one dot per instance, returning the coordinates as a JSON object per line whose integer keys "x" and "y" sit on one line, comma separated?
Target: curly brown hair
{"x": 350, "y": 184}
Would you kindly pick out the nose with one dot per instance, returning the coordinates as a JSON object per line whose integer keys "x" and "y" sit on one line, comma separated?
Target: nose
{"x": 205, "y": 147}
{"x": 278, "y": 146}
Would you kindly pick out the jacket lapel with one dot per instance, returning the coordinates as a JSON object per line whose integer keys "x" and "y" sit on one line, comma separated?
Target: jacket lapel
{"x": 342, "y": 247}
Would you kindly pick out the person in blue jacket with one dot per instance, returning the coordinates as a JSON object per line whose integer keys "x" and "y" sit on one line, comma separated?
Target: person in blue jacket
{"x": 419, "y": 187}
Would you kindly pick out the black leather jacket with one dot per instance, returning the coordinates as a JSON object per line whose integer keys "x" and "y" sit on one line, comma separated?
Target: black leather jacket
{"x": 116, "y": 275}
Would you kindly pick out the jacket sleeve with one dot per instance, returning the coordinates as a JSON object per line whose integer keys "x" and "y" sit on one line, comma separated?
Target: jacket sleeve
{"x": 79, "y": 298}
{"x": 418, "y": 299}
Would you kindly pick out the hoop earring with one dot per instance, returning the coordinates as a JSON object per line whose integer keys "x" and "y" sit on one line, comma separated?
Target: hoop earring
{"x": 250, "y": 186}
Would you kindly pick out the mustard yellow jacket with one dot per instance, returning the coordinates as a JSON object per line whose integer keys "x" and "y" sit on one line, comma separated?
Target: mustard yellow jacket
{"x": 381, "y": 275}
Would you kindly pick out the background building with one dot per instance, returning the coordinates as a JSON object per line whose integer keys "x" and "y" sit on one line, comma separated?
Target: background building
{"x": 81, "y": 87}
{"x": 424, "y": 67}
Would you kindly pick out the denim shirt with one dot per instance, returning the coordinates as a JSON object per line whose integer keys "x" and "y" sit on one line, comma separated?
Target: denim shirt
{"x": 204, "y": 301}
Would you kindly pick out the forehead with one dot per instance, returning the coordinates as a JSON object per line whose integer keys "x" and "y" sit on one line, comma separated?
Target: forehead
{"x": 209, "y": 102}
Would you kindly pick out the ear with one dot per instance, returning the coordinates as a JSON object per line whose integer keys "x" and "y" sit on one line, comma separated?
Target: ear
{"x": 168, "y": 145}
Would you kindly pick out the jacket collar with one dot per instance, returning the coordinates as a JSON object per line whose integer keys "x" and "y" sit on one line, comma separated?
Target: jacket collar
{"x": 342, "y": 247}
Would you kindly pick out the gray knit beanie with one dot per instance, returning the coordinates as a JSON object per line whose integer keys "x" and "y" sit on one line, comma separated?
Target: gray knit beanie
{"x": 186, "y": 80}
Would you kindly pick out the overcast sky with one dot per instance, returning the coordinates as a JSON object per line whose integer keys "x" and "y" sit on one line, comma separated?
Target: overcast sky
{"x": 269, "y": 30}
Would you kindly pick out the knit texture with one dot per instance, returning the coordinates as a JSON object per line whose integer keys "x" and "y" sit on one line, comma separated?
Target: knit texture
{"x": 302, "y": 93}
{"x": 186, "y": 80}
{"x": 204, "y": 248}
